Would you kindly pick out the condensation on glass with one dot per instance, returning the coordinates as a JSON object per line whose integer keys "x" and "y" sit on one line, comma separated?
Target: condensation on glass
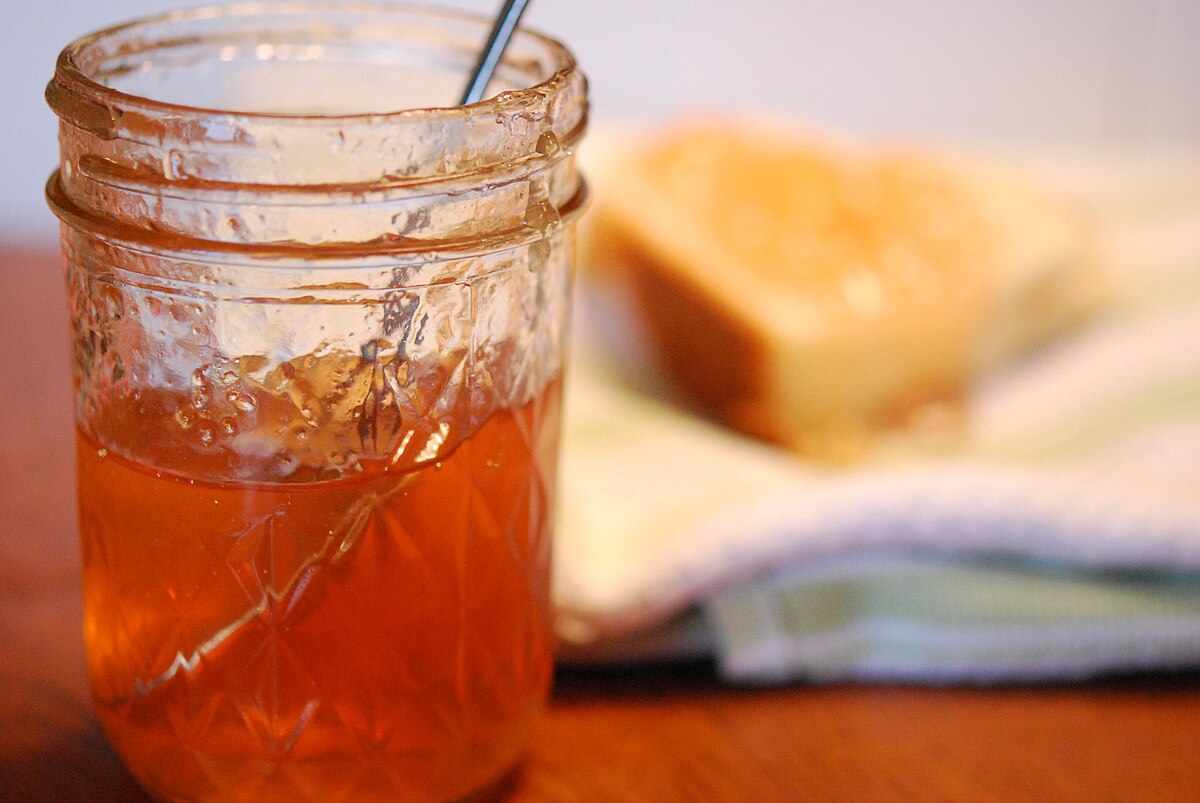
{"x": 317, "y": 352}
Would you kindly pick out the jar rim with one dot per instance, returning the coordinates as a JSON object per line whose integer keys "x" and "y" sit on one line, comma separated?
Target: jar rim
{"x": 69, "y": 76}
{"x": 152, "y": 170}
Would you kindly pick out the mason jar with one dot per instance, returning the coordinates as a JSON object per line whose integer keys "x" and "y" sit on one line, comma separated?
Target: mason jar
{"x": 318, "y": 318}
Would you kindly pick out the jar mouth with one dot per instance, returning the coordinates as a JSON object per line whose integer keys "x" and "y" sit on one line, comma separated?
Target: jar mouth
{"x": 85, "y": 58}
{"x": 149, "y": 153}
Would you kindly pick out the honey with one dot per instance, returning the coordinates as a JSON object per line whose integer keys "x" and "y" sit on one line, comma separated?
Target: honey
{"x": 383, "y": 636}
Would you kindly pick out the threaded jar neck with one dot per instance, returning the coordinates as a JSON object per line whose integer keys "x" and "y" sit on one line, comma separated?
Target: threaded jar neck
{"x": 323, "y": 129}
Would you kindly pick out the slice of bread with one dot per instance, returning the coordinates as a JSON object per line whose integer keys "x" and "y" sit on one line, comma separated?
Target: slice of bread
{"x": 818, "y": 295}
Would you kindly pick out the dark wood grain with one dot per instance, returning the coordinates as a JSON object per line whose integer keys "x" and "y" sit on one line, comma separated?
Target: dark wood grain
{"x": 671, "y": 733}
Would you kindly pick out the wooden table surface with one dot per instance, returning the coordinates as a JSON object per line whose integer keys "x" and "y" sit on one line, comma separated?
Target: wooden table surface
{"x": 654, "y": 734}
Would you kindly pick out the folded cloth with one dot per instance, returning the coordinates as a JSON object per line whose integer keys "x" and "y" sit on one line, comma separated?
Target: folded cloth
{"x": 1061, "y": 539}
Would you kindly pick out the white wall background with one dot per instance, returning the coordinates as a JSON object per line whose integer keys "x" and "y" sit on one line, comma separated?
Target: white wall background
{"x": 1087, "y": 73}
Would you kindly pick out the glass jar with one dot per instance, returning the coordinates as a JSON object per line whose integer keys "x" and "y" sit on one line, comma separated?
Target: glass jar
{"x": 318, "y": 328}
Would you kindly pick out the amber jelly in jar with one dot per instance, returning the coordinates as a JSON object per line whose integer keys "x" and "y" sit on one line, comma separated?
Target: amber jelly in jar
{"x": 318, "y": 320}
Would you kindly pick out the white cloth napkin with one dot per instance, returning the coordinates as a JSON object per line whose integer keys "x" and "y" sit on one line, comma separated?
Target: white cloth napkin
{"x": 1062, "y": 539}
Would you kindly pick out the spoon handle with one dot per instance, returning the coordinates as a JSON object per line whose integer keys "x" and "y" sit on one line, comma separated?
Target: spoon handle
{"x": 502, "y": 30}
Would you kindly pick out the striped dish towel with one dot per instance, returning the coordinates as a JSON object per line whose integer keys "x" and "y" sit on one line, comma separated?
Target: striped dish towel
{"x": 1063, "y": 540}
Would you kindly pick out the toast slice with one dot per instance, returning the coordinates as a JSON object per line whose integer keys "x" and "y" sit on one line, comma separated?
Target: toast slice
{"x": 818, "y": 295}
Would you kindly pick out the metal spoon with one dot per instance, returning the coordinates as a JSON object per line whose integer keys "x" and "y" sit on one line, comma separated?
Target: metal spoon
{"x": 489, "y": 58}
